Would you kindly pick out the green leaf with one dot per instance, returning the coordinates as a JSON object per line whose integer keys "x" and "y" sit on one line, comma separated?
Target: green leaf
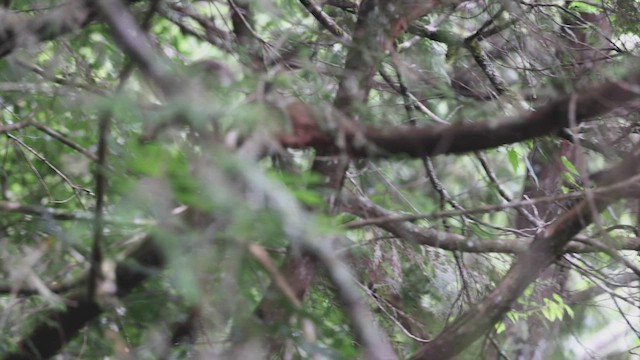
{"x": 569, "y": 165}
{"x": 583, "y": 7}
{"x": 514, "y": 158}
{"x": 558, "y": 298}
{"x": 569, "y": 311}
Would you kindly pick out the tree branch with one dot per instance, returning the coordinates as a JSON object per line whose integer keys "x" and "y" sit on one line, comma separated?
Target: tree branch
{"x": 542, "y": 252}
{"x": 364, "y": 208}
{"x": 133, "y": 41}
{"x": 325, "y": 20}
{"x": 59, "y": 327}
{"x": 18, "y": 31}
{"x": 416, "y": 142}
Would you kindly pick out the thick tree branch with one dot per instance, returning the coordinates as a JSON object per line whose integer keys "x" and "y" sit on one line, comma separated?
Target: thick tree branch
{"x": 353, "y": 89}
{"x": 18, "y": 31}
{"x": 379, "y": 24}
{"x": 546, "y": 247}
{"x": 417, "y": 142}
{"x": 59, "y": 327}
{"x": 133, "y": 41}
{"x": 375, "y": 30}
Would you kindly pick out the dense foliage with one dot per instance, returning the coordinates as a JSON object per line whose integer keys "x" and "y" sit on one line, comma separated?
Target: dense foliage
{"x": 326, "y": 179}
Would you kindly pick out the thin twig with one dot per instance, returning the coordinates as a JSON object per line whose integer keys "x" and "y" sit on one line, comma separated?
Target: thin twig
{"x": 260, "y": 254}
{"x": 613, "y": 253}
{"x": 55, "y": 214}
{"x": 503, "y": 192}
{"x": 325, "y": 20}
{"x": 479, "y": 210}
{"x": 64, "y": 177}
